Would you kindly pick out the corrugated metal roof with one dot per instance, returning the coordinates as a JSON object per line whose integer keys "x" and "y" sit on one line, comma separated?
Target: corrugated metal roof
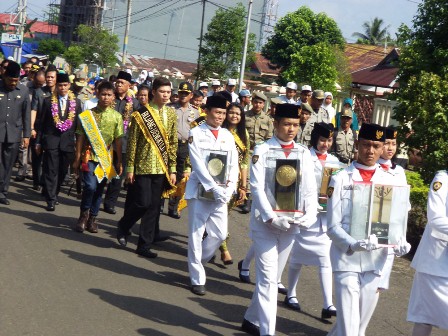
{"x": 362, "y": 56}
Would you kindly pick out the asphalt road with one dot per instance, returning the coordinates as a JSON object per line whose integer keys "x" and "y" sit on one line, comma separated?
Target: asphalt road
{"x": 55, "y": 281}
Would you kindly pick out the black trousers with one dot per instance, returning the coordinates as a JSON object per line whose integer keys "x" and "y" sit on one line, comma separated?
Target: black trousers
{"x": 55, "y": 167}
{"x": 182, "y": 154}
{"x": 8, "y": 155}
{"x": 114, "y": 186}
{"x": 36, "y": 163}
{"x": 143, "y": 199}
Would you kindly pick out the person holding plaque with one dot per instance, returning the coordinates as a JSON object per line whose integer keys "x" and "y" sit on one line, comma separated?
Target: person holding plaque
{"x": 212, "y": 183}
{"x": 357, "y": 263}
{"x": 284, "y": 200}
{"x": 428, "y": 303}
{"x": 312, "y": 246}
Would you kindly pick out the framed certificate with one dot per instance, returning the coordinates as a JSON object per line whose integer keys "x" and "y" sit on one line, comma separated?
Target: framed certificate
{"x": 381, "y": 210}
{"x": 283, "y": 179}
{"x": 323, "y": 177}
{"x": 216, "y": 163}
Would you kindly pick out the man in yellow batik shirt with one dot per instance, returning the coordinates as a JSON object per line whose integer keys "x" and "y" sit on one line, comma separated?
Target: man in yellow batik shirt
{"x": 151, "y": 166}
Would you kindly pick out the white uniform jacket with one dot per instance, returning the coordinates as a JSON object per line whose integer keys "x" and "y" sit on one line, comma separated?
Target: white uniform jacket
{"x": 321, "y": 224}
{"x": 262, "y": 208}
{"x": 339, "y": 210}
{"x": 200, "y": 139}
{"x": 432, "y": 253}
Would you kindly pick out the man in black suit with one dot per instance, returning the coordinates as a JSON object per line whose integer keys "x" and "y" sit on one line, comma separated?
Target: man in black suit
{"x": 15, "y": 120}
{"x": 56, "y": 136}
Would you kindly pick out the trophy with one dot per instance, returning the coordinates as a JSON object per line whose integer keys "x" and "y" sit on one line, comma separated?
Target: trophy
{"x": 323, "y": 181}
{"x": 381, "y": 210}
{"x": 282, "y": 180}
{"x": 216, "y": 164}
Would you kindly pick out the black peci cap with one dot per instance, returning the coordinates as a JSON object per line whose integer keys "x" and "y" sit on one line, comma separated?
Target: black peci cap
{"x": 287, "y": 111}
{"x": 323, "y": 129}
{"x": 62, "y": 78}
{"x": 372, "y": 132}
{"x": 12, "y": 70}
{"x": 391, "y": 133}
{"x": 217, "y": 101}
{"x": 124, "y": 75}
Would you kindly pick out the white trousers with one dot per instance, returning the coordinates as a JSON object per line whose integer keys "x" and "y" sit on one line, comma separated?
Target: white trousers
{"x": 210, "y": 216}
{"x": 263, "y": 308}
{"x": 356, "y": 298}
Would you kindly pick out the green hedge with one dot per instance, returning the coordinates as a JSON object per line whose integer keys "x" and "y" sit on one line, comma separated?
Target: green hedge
{"x": 417, "y": 216}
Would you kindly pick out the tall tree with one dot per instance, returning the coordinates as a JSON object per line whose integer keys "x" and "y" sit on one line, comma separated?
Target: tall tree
{"x": 223, "y": 44}
{"x": 374, "y": 32}
{"x": 423, "y": 79}
{"x": 51, "y": 47}
{"x": 297, "y": 30}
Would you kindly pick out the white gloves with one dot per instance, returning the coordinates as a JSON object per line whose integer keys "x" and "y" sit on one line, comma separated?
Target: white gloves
{"x": 219, "y": 193}
{"x": 402, "y": 248}
{"x": 281, "y": 223}
{"x": 229, "y": 194}
{"x": 365, "y": 244}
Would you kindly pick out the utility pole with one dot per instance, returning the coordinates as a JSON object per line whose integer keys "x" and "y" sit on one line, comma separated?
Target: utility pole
{"x": 113, "y": 16}
{"x": 246, "y": 41}
{"x": 168, "y": 35}
{"x": 21, "y": 10}
{"x": 126, "y": 32}
{"x": 200, "y": 40}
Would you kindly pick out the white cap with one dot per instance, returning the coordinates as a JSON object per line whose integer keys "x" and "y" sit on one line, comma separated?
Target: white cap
{"x": 216, "y": 82}
{"x": 306, "y": 88}
{"x": 231, "y": 81}
{"x": 203, "y": 84}
{"x": 291, "y": 85}
{"x": 151, "y": 74}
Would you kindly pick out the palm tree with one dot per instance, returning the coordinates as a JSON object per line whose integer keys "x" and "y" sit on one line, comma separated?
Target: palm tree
{"x": 374, "y": 33}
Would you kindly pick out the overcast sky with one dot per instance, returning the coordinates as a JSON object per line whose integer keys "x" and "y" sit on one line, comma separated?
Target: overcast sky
{"x": 148, "y": 37}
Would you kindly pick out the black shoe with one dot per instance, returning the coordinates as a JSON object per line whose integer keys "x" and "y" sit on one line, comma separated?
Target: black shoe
{"x": 29, "y": 177}
{"x": 147, "y": 253}
{"x": 198, "y": 289}
{"x": 250, "y": 328}
{"x": 36, "y": 187}
{"x": 174, "y": 214}
{"x": 122, "y": 240}
{"x": 4, "y": 201}
{"x": 110, "y": 210}
{"x": 160, "y": 238}
{"x": 243, "y": 278}
{"x": 282, "y": 290}
{"x": 19, "y": 178}
{"x": 246, "y": 207}
{"x": 50, "y": 206}
{"x": 292, "y": 305}
{"x": 328, "y": 313}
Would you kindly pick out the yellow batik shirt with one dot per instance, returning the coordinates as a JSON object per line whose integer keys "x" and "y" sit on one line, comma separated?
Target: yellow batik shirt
{"x": 141, "y": 158}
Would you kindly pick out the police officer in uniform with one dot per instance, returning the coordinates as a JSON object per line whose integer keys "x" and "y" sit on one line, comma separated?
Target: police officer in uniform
{"x": 320, "y": 114}
{"x": 80, "y": 88}
{"x": 306, "y": 125}
{"x": 273, "y": 235}
{"x": 344, "y": 144}
{"x": 186, "y": 114}
{"x": 210, "y": 215}
{"x": 356, "y": 264}
{"x": 15, "y": 123}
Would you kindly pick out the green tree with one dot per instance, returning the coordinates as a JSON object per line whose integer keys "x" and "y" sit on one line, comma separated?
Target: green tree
{"x": 51, "y": 47}
{"x": 300, "y": 29}
{"x": 304, "y": 64}
{"x": 423, "y": 79}
{"x": 98, "y": 44}
{"x": 74, "y": 55}
{"x": 374, "y": 33}
{"x": 223, "y": 44}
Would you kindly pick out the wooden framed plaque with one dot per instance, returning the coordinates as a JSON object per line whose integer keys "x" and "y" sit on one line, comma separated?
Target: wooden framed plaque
{"x": 216, "y": 164}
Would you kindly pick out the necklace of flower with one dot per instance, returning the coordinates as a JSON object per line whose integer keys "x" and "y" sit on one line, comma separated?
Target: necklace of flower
{"x": 63, "y": 125}
{"x": 127, "y": 111}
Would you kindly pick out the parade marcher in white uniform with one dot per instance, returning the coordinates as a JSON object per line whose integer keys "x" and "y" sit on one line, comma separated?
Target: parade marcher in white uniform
{"x": 291, "y": 92}
{"x": 357, "y": 264}
{"x": 428, "y": 303}
{"x": 272, "y": 234}
{"x": 312, "y": 246}
{"x": 210, "y": 215}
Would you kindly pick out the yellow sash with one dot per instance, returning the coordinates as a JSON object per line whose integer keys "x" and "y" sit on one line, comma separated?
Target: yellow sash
{"x": 154, "y": 132}
{"x": 105, "y": 169}
{"x": 241, "y": 149}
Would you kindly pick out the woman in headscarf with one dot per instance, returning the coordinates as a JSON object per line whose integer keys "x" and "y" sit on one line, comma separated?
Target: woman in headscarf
{"x": 328, "y": 105}
{"x": 348, "y": 103}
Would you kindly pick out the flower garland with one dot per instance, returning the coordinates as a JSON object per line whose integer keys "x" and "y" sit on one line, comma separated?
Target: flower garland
{"x": 127, "y": 111}
{"x": 67, "y": 124}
